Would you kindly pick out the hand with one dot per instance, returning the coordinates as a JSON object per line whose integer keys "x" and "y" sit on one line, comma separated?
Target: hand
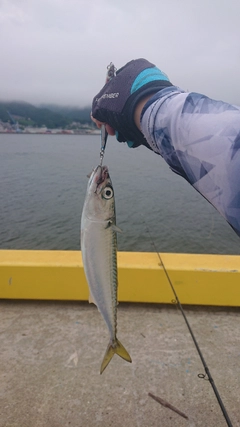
{"x": 137, "y": 115}
{"x": 109, "y": 129}
{"x": 118, "y": 101}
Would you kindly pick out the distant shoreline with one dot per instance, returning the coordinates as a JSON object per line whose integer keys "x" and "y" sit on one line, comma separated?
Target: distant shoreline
{"x": 51, "y": 133}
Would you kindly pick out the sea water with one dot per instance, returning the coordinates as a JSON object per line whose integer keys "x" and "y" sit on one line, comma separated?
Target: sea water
{"x": 43, "y": 180}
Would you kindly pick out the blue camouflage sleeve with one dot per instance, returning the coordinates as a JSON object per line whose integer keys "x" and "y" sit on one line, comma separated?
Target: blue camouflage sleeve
{"x": 199, "y": 138}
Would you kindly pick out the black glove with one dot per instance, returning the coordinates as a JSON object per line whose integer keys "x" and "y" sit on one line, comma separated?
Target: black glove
{"x": 116, "y": 102}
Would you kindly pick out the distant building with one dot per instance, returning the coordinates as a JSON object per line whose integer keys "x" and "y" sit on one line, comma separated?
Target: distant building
{"x": 67, "y": 132}
{"x": 30, "y": 129}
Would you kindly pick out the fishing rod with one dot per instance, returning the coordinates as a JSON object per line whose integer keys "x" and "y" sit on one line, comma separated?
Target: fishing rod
{"x": 207, "y": 371}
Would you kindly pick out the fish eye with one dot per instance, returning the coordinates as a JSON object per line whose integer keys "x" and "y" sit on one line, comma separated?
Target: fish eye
{"x": 107, "y": 193}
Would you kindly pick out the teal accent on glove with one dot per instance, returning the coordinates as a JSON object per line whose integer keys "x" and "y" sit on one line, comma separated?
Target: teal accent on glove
{"x": 130, "y": 144}
{"x": 146, "y": 76}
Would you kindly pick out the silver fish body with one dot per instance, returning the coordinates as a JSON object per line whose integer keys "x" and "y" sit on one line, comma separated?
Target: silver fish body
{"x": 99, "y": 253}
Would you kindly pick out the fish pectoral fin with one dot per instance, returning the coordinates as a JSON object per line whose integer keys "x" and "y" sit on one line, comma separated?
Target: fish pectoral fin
{"x": 114, "y": 227}
{"x": 114, "y": 348}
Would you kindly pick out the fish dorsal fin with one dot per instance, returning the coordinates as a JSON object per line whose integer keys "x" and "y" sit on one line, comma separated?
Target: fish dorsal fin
{"x": 91, "y": 299}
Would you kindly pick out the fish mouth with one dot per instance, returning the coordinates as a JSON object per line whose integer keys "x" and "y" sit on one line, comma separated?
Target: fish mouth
{"x": 101, "y": 175}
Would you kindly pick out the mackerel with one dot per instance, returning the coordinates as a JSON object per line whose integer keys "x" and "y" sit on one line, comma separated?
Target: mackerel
{"x": 99, "y": 254}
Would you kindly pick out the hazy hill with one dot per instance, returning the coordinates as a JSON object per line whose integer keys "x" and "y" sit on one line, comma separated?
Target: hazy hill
{"x": 76, "y": 114}
{"x": 51, "y": 117}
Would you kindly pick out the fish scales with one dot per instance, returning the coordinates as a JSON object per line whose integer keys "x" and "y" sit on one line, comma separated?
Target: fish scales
{"x": 99, "y": 253}
{"x": 101, "y": 268}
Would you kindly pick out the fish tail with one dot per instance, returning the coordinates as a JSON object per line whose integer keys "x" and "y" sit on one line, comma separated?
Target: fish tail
{"x": 114, "y": 347}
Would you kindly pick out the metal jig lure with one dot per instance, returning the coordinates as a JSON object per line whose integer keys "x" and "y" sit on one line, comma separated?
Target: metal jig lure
{"x": 111, "y": 72}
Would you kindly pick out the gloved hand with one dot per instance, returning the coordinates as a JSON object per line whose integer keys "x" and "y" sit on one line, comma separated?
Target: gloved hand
{"x": 116, "y": 102}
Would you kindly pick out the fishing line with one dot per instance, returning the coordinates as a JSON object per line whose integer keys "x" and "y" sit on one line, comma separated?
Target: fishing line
{"x": 208, "y": 374}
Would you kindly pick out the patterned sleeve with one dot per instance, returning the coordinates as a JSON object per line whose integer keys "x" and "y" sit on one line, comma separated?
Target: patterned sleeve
{"x": 199, "y": 138}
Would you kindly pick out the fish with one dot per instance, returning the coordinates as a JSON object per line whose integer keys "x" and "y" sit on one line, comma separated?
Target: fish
{"x": 99, "y": 254}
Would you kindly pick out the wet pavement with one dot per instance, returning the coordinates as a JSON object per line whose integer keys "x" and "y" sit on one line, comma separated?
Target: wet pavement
{"x": 51, "y": 352}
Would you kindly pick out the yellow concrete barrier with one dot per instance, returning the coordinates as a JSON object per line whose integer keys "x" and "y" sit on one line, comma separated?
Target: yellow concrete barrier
{"x": 59, "y": 275}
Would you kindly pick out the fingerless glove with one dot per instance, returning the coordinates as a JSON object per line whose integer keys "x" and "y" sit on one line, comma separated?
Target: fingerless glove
{"x": 116, "y": 102}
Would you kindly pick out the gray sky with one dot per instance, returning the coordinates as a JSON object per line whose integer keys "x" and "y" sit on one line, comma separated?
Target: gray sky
{"x": 58, "y": 50}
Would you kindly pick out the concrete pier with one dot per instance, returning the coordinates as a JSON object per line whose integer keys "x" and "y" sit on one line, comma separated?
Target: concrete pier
{"x": 50, "y": 356}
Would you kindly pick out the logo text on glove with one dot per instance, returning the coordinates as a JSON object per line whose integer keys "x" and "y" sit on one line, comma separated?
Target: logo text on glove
{"x": 108, "y": 95}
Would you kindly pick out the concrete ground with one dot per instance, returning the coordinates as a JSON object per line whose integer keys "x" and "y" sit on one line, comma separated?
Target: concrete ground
{"x": 50, "y": 356}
